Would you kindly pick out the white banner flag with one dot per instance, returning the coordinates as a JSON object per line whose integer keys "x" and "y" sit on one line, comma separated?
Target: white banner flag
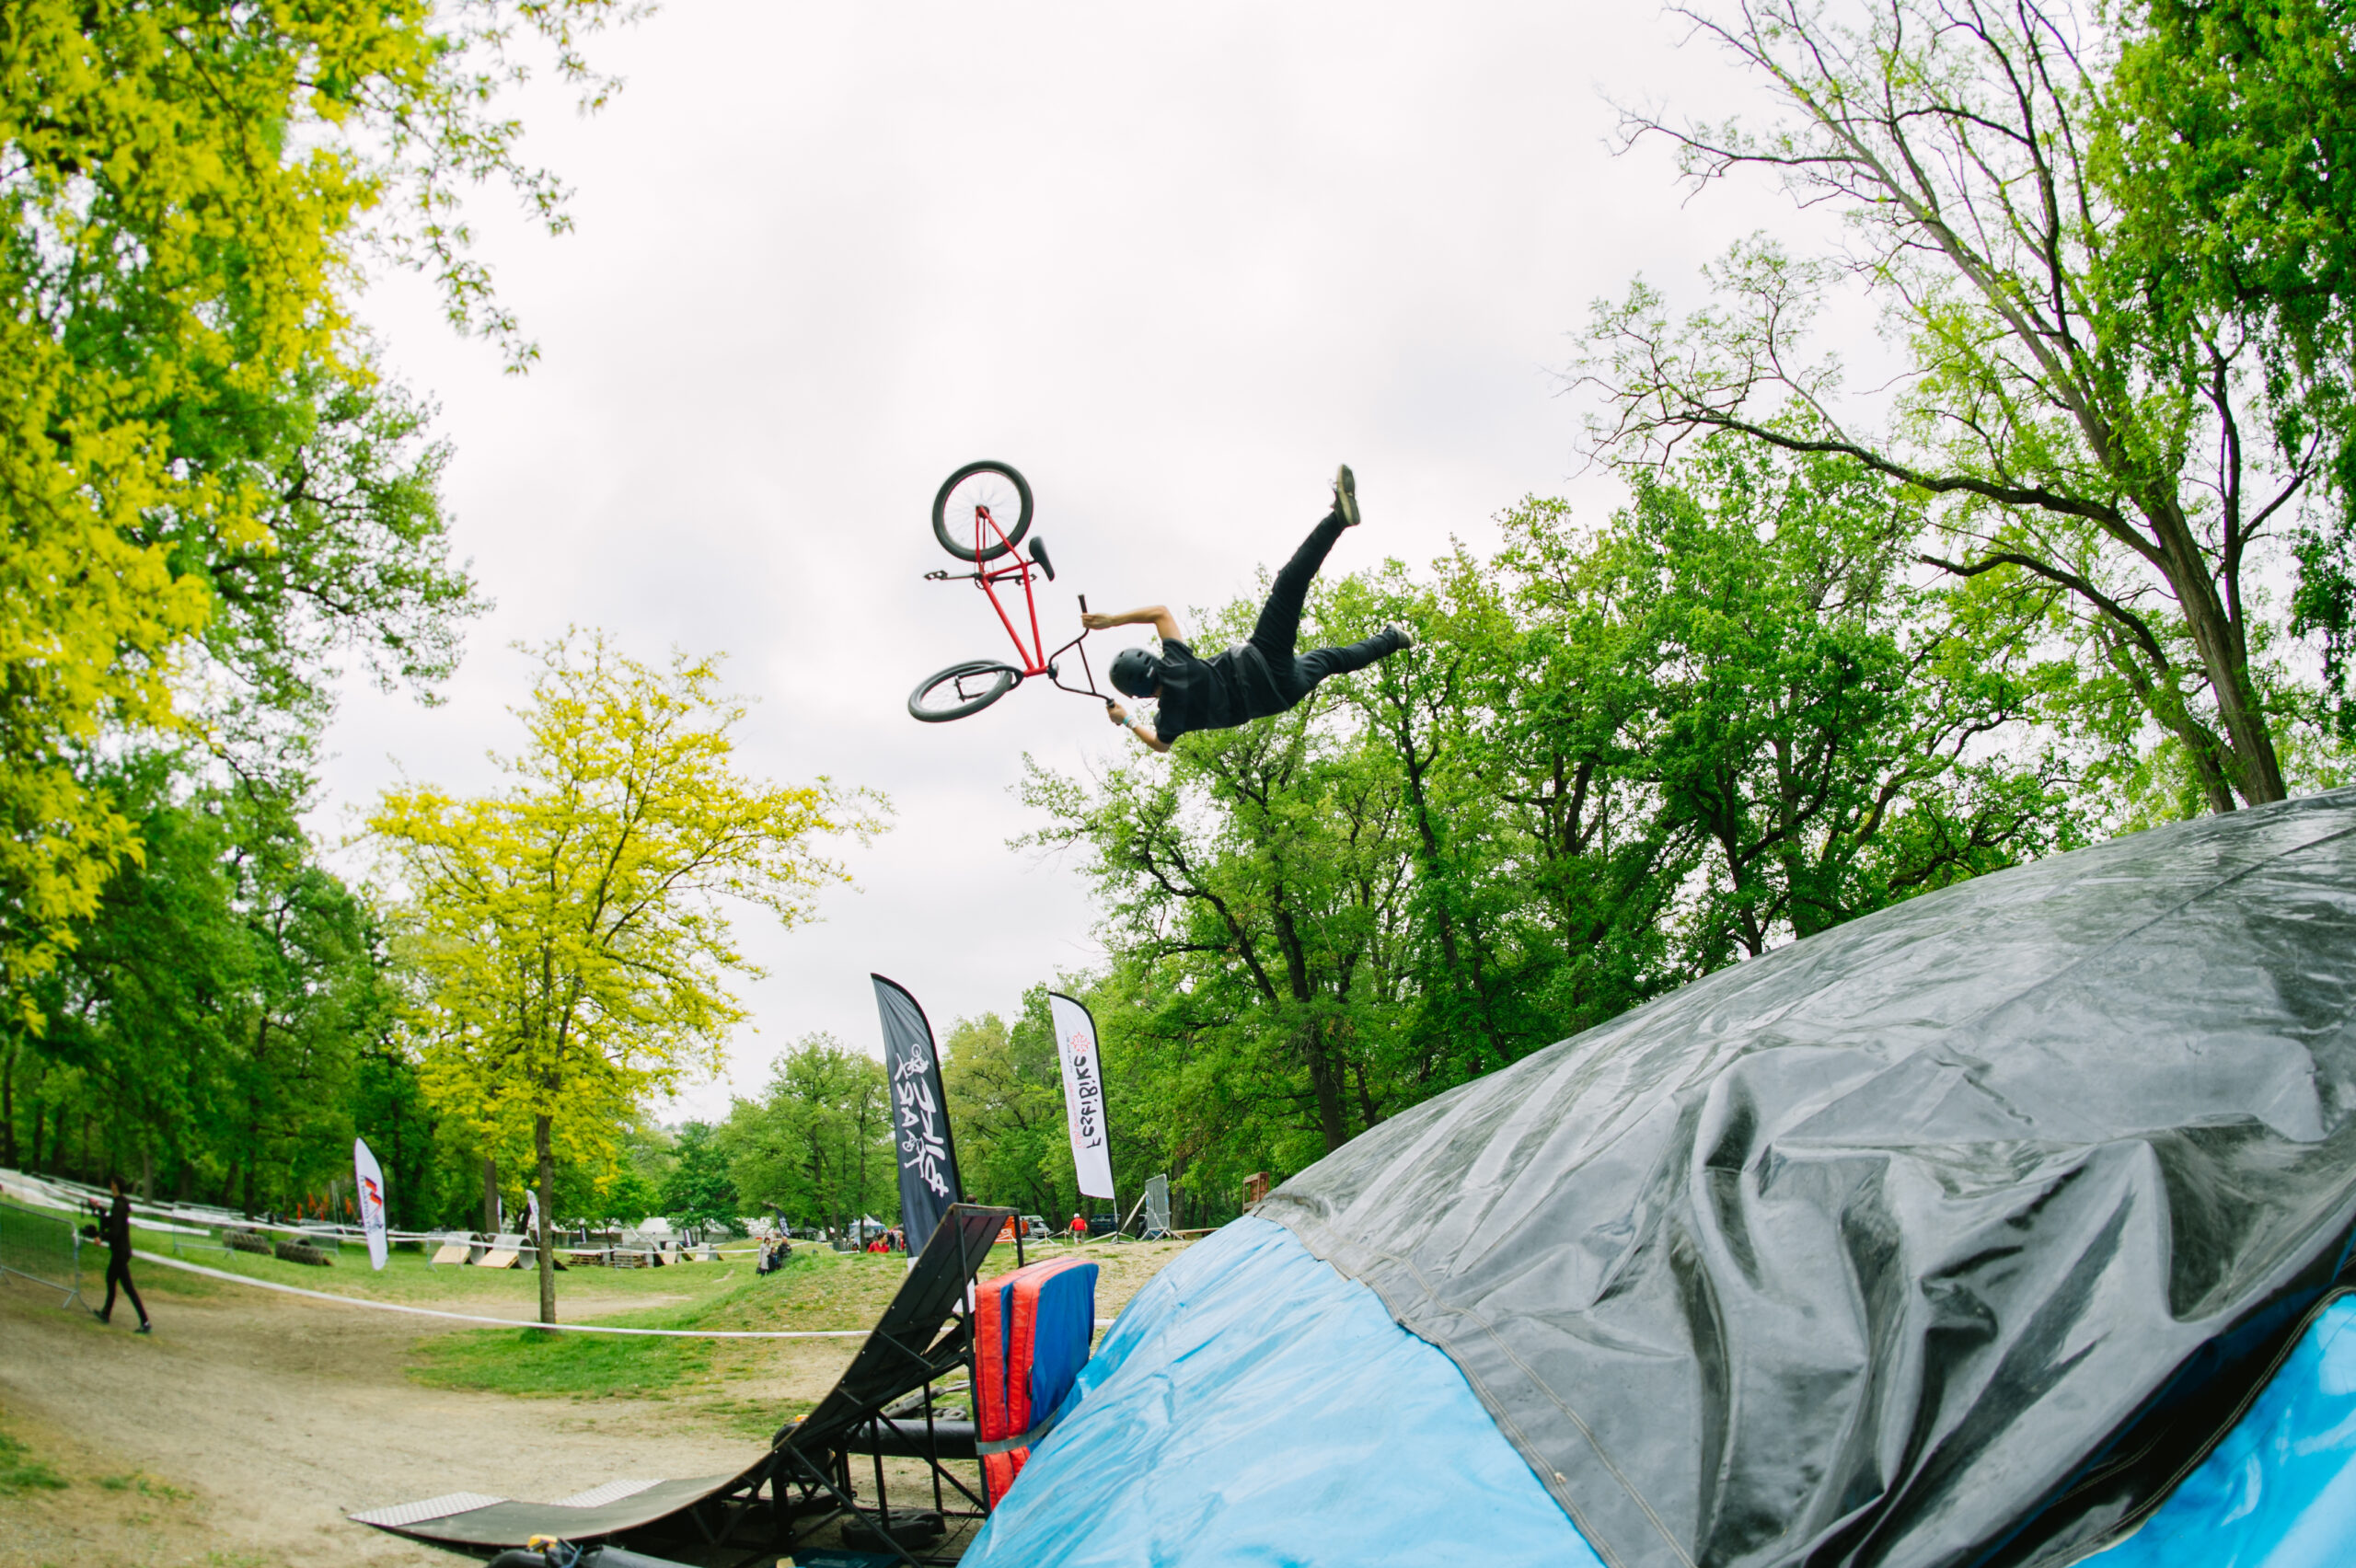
{"x": 369, "y": 1179}
{"x": 1092, "y": 1147}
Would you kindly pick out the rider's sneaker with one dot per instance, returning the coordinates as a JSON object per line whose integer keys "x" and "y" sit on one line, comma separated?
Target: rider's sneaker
{"x": 1401, "y": 635}
{"x": 1346, "y": 496}
{"x": 142, "y": 1328}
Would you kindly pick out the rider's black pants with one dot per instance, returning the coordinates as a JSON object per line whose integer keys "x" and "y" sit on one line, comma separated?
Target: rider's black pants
{"x": 1279, "y": 623}
{"x": 119, "y": 1272}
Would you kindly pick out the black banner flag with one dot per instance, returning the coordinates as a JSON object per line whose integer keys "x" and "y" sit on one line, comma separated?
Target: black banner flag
{"x": 920, "y": 1137}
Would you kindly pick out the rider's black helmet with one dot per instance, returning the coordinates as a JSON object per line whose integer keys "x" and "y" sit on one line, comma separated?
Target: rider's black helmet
{"x": 1136, "y": 671}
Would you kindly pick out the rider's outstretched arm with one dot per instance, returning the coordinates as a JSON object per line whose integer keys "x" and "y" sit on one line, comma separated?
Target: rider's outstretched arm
{"x": 1137, "y": 727}
{"x": 1164, "y": 624}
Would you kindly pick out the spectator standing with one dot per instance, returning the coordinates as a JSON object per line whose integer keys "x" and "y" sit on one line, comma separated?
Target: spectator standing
{"x": 114, "y": 1229}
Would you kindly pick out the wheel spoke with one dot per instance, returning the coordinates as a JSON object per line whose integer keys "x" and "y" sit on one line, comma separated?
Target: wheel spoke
{"x": 976, "y": 489}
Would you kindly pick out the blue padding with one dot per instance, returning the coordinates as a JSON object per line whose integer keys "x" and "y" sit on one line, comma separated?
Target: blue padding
{"x": 2280, "y": 1490}
{"x": 1060, "y": 1335}
{"x": 1253, "y": 1407}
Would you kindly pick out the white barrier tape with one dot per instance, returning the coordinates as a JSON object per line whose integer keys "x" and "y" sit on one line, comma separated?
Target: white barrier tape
{"x": 500, "y": 1322}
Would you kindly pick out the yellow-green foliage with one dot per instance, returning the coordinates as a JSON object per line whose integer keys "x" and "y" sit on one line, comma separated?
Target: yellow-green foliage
{"x": 571, "y": 930}
{"x": 188, "y": 187}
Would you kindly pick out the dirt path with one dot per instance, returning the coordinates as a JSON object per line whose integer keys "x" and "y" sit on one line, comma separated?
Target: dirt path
{"x": 241, "y": 1433}
{"x": 277, "y": 1417}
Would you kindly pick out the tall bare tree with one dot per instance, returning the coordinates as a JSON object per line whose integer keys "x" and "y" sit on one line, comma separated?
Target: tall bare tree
{"x": 2119, "y": 454}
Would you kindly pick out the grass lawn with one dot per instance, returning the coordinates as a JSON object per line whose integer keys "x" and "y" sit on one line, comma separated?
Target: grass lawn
{"x": 818, "y": 1289}
{"x": 21, "y": 1470}
{"x": 406, "y": 1277}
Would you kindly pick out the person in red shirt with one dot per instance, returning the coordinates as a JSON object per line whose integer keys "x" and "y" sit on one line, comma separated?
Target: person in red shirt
{"x": 1079, "y": 1228}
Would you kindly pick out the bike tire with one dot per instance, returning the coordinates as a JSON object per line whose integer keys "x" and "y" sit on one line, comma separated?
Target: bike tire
{"x": 947, "y": 532}
{"x": 927, "y": 707}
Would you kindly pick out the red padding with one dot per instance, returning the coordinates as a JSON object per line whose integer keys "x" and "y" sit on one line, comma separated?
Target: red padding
{"x": 1006, "y": 1314}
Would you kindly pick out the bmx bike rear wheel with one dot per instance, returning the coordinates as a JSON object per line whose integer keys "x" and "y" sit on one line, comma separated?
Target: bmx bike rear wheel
{"x": 994, "y": 484}
{"x": 961, "y": 690}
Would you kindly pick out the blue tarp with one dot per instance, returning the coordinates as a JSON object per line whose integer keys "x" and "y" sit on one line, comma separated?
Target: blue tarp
{"x": 2280, "y": 1490}
{"x": 1253, "y": 1407}
{"x": 1061, "y": 1333}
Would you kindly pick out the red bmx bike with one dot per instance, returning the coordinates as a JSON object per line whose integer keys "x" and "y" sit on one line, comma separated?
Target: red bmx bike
{"x": 981, "y": 515}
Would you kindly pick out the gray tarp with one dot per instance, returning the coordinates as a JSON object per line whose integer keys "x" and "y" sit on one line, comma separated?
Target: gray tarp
{"x": 1942, "y": 1238}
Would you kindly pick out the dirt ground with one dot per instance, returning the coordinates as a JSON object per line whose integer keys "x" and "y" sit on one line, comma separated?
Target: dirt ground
{"x": 243, "y": 1431}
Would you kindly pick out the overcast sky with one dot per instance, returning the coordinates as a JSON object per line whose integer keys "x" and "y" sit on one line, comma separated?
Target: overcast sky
{"x": 1173, "y": 263}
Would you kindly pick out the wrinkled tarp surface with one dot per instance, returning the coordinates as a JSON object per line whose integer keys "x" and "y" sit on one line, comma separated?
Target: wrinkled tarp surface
{"x": 2279, "y": 1491}
{"x": 1252, "y": 1407}
{"x": 1939, "y": 1238}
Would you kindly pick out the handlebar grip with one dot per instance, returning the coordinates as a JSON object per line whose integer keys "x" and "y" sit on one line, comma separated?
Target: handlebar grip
{"x": 1083, "y": 604}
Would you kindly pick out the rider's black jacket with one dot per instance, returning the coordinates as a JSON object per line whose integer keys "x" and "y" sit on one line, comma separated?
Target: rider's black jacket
{"x": 1228, "y": 688}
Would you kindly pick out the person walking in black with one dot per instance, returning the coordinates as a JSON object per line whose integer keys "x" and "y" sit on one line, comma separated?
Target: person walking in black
{"x": 114, "y": 1229}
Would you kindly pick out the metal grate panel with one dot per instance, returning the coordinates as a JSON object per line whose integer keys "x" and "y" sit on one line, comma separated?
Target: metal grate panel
{"x": 405, "y": 1514}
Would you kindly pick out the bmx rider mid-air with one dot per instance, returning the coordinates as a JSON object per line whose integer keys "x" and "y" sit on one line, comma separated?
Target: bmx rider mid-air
{"x": 1260, "y": 676}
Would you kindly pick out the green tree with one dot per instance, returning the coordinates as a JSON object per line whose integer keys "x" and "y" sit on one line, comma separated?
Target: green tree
{"x": 198, "y": 462}
{"x": 1617, "y": 757}
{"x": 1006, "y": 1103}
{"x": 1261, "y": 873}
{"x": 571, "y": 930}
{"x": 218, "y": 1007}
{"x": 2229, "y": 149}
{"x": 818, "y": 1142}
{"x": 2130, "y": 464}
{"x": 699, "y": 1192}
{"x": 1825, "y": 736}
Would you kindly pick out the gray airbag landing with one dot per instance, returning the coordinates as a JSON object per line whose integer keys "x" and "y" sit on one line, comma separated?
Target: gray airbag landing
{"x": 1948, "y": 1235}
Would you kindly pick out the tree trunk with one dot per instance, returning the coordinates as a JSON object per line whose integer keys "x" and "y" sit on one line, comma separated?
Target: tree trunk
{"x": 1438, "y": 892}
{"x": 8, "y": 1107}
{"x": 2258, "y": 769}
{"x": 147, "y": 1174}
{"x": 541, "y": 1146}
{"x": 489, "y": 1195}
{"x": 1325, "y": 1077}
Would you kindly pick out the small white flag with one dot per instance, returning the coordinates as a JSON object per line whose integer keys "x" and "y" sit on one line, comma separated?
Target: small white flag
{"x": 371, "y": 1183}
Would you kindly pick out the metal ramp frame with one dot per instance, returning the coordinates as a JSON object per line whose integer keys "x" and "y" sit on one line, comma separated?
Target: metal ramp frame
{"x": 883, "y": 1405}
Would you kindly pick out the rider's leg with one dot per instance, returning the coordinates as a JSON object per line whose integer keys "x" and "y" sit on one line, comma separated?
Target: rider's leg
{"x": 1319, "y": 662}
{"x": 1279, "y": 623}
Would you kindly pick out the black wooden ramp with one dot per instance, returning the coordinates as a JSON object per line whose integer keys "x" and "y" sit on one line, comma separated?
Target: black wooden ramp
{"x": 876, "y": 1407}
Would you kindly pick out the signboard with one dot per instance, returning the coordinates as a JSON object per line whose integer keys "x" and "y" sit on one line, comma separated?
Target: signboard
{"x": 928, "y": 1156}
{"x": 1091, "y": 1141}
{"x": 368, "y": 1180}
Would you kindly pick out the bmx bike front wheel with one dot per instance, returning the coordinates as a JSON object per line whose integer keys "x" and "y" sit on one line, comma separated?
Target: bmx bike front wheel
{"x": 962, "y": 689}
{"x": 996, "y": 486}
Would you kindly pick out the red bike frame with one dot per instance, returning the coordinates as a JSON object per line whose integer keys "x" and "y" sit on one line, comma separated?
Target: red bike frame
{"x": 1035, "y": 659}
